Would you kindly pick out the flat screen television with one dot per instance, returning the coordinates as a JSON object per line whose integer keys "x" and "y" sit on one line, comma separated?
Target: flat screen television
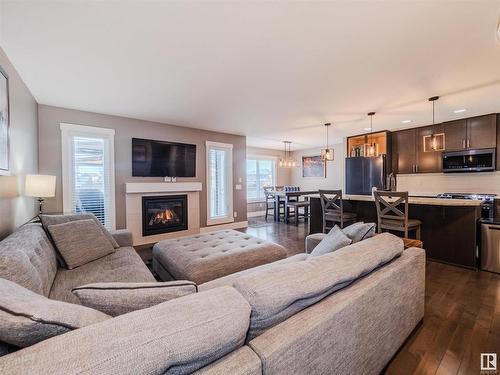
{"x": 160, "y": 159}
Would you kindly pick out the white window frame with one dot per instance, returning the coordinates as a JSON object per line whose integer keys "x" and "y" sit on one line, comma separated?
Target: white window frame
{"x": 71, "y": 130}
{"x": 275, "y": 172}
{"x": 226, "y": 147}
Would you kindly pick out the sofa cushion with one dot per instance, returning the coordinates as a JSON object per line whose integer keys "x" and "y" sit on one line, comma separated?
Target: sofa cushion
{"x": 230, "y": 279}
{"x": 28, "y": 258}
{"x": 334, "y": 240}
{"x": 48, "y": 220}
{"x": 120, "y": 298}
{"x": 175, "y": 337}
{"x": 359, "y": 231}
{"x": 123, "y": 265}
{"x": 27, "y": 317}
{"x": 80, "y": 242}
{"x": 301, "y": 284}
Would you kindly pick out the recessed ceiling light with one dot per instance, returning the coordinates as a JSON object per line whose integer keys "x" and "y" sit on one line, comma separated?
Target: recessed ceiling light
{"x": 406, "y": 121}
{"x": 459, "y": 110}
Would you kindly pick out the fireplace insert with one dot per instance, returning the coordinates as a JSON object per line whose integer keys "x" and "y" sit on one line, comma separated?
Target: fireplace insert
{"x": 164, "y": 214}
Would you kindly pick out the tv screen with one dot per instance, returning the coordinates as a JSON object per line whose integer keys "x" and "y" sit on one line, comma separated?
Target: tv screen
{"x": 161, "y": 159}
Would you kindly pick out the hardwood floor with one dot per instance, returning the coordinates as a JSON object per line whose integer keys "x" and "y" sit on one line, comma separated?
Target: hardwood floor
{"x": 462, "y": 312}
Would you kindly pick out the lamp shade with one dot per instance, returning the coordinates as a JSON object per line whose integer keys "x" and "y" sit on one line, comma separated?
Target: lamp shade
{"x": 40, "y": 186}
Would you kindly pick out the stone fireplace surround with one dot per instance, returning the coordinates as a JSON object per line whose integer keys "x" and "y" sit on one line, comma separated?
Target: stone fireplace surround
{"x": 135, "y": 192}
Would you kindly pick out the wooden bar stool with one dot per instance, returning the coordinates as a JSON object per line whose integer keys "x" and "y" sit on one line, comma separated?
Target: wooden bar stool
{"x": 392, "y": 213}
{"x": 333, "y": 209}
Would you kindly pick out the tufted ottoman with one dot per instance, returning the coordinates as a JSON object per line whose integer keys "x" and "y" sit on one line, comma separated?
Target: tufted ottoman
{"x": 205, "y": 257}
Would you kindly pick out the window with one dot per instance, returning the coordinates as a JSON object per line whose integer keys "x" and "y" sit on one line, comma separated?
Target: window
{"x": 219, "y": 183}
{"x": 261, "y": 171}
{"x": 89, "y": 171}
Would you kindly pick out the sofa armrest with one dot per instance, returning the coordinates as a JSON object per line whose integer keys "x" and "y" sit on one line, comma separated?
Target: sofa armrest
{"x": 123, "y": 237}
{"x": 313, "y": 240}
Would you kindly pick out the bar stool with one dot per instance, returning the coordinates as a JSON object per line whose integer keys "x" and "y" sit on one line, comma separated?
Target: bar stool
{"x": 392, "y": 214}
{"x": 333, "y": 209}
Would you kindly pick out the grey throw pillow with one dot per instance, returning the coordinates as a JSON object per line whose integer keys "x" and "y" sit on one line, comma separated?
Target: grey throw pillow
{"x": 334, "y": 240}
{"x": 61, "y": 219}
{"x": 359, "y": 231}
{"x": 27, "y": 318}
{"x": 120, "y": 298}
{"x": 80, "y": 242}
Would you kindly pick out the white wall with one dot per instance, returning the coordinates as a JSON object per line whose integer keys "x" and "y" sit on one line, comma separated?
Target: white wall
{"x": 334, "y": 171}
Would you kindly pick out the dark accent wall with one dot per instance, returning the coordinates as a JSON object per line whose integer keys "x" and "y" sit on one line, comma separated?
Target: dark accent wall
{"x": 125, "y": 129}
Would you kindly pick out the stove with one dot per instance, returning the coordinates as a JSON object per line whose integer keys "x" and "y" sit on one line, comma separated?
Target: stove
{"x": 487, "y": 202}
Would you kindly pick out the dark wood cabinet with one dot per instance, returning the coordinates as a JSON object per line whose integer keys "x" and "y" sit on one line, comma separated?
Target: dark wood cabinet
{"x": 474, "y": 132}
{"x": 482, "y": 131}
{"x": 498, "y": 143}
{"x": 428, "y": 160}
{"x": 455, "y": 133}
{"x": 403, "y": 151}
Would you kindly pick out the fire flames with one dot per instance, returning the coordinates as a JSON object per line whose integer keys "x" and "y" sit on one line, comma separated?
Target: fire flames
{"x": 163, "y": 217}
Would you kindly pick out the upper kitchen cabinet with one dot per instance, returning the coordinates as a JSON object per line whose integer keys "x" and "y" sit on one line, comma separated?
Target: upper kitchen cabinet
{"x": 430, "y": 142}
{"x": 474, "y": 132}
{"x": 455, "y": 133}
{"x": 403, "y": 151}
{"x": 482, "y": 131}
{"x": 498, "y": 142}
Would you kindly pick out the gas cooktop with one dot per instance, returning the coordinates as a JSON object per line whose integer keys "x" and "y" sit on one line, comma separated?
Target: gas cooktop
{"x": 472, "y": 196}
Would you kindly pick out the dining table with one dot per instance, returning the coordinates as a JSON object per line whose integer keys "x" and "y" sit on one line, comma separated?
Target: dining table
{"x": 283, "y": 196}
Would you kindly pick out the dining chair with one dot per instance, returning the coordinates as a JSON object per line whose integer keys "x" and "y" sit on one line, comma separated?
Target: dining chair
{"x": 268, "y": 192}
{"x": 293, "y": 204}
{"x": 392, "y": 213}
{"x": 333, "y": 209}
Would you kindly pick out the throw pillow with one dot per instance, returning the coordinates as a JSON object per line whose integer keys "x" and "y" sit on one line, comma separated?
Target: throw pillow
{"x": 61, "y": 219}
{"x": 359, "y": 231}
{"x": 80, "y": 242}
{"x": 27, "y": 317}
{"x": 120, "y": 298}
{"x": 334, "y": 240}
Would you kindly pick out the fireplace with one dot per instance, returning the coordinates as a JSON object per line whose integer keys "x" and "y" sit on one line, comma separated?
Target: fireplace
{"x": 164, "y": 214}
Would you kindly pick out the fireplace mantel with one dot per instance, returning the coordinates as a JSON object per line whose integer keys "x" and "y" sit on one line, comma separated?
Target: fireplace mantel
{"x": 161, "y": 187}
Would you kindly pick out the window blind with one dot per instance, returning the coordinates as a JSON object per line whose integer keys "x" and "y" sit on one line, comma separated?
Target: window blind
{"x": 88, "y": 174}
{"x": 219, "y": 181}
{"x": 261, "y": 172}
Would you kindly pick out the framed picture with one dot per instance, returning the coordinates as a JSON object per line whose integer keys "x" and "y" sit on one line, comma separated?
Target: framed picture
{"x": 313, "y": 166}
{"x": 4, "y": 123}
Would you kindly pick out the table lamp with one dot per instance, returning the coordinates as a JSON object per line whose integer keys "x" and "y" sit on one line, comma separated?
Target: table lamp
{"x": 40, "y": 186}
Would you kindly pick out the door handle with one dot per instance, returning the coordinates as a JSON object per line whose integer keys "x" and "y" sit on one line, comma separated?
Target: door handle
{"x": 494, "y": 228}
{"x": 416, "y": 168}
{"x": 468, "y": 143}
{"x": 463, "y": 143}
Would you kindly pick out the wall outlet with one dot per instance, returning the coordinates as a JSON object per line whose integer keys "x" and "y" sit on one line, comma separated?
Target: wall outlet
{"x": 238, "y": 187}
{"x": 235, "y": 214}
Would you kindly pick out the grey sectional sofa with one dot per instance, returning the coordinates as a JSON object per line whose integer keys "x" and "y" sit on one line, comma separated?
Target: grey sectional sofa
{"x": 342, "y": 313}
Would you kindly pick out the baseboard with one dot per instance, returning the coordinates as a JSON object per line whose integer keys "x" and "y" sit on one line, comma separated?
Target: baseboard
{"x": 257, "y": 213}
{"x": 212, "y": 228}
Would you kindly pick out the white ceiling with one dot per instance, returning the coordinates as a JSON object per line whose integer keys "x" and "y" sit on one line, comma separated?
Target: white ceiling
{"x": 269, "y": 70}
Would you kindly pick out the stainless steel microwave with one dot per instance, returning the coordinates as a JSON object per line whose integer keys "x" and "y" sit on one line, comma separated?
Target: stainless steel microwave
{"x": 479, "y": 160}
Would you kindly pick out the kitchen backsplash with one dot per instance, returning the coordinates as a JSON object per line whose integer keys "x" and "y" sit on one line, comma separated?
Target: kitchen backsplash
{"x": 434, "y": 183}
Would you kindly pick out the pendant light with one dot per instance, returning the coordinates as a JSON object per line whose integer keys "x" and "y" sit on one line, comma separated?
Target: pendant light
{"x": 372, "y": 148}
{"x": 327, "y": 153}
{"x": 287, "y": 161}
{"x": 435, "y": 141}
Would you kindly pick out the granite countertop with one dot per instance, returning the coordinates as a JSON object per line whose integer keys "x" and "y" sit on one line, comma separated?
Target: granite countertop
{"x": 416, "y": 200}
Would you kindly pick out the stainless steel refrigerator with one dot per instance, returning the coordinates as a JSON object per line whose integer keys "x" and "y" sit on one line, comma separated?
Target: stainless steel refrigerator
{"x": 364, "y": 173}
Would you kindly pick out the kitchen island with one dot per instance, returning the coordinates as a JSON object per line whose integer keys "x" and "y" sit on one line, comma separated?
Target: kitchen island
{"x": 449, "y": 228}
